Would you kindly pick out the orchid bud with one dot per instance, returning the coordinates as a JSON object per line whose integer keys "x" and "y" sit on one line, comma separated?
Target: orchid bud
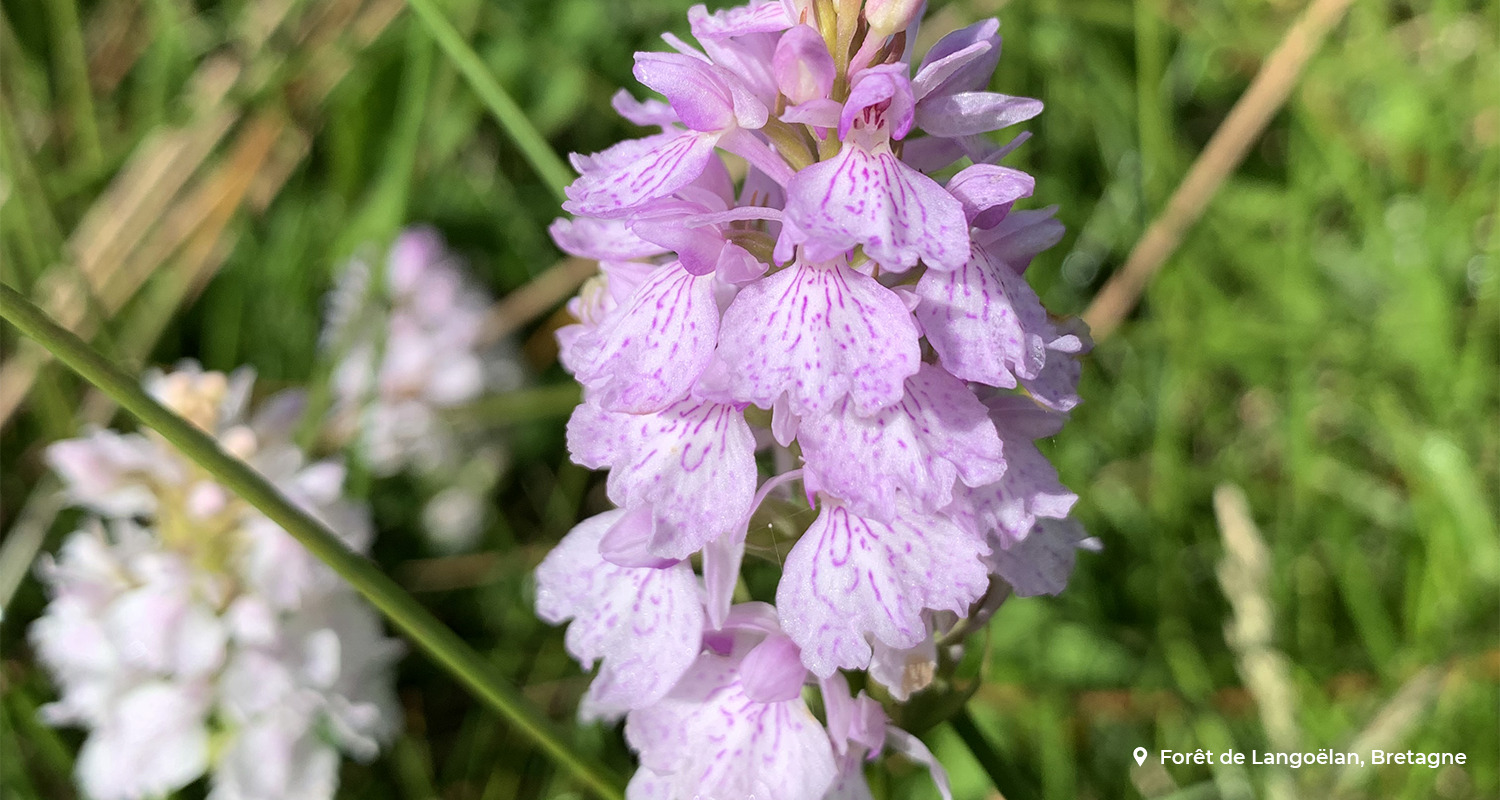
{"x": 803, "y": 66}
{"x": 890, "y": 16}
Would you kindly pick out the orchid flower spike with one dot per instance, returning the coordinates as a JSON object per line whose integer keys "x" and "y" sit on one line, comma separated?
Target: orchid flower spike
{"x": 850, "y": 313}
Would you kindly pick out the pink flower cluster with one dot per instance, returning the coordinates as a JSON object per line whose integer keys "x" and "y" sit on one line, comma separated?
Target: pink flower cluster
{"x": 189, "y": 634}
{"x": 409, "y": 350}
{"x": 818, "y": 258}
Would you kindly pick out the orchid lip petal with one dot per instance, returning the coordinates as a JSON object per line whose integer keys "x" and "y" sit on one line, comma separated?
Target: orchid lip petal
{"x": 872, "y": 200}
{"x": 914, "y": 452}
{"x": 850, "y": 577}
{"x": 645, "y": 624}
{"x": 646, "y": 356}
{"x": 690, "y": 468}
{"x": 815, "y": 333}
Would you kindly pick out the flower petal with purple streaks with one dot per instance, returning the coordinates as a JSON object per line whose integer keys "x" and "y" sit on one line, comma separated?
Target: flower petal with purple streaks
{"x": 645, "y": 357}
{"x": 708, "y": 739}
{"x": 645, "y": 624}
{"x": 872, "y": 200}
{"x": 692, "y": 464}
{"x": 1008, "y": 508}
{"x": 850, "y": 577}
{"x": 635, "y": 171}
{"x": 985, "y": 322}
{"x": 816, "y": 334}
{"x": 938, "y": 434}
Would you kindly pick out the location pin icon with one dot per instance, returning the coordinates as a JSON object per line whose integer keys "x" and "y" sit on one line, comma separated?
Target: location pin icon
{"x": 1140, "y": 756}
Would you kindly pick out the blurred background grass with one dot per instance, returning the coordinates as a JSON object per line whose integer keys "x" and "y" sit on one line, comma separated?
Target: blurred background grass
{"x": 183, "y": 179}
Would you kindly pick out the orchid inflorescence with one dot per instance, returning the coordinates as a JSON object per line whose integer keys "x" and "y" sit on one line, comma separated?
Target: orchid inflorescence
{"x": 850, "y": 312}
{"x": 189, "y": 633}
{"x": 411, "y": 347}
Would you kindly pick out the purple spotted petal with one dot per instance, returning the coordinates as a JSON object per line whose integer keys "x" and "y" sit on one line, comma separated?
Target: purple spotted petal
{"x": 985, "y": 322}
{"x": 645, "y": 624}
{"x": 1042, "y": 562}
{"x": 874, "y": 201}
{"x": 636, "y": 171}
{"x": 988, "y": 190}
{"x": 968, "y": 113}
{"x": 962, "y": 61}
{"x": 817, "y": 334}
{"x": 707, "y": 738}
{"x": 1008, "y": 508}
{"x": 603, "y": 296}
{"x": 850, "y": 577}
{"x": 646, "y": 357}
{"x": 692, "y": 464}
{"x": 938, "y": 434}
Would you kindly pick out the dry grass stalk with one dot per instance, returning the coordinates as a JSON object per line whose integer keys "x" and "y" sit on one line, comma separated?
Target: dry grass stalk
{"x": 119, "y": 244}
{"x": 1267, "y": 93}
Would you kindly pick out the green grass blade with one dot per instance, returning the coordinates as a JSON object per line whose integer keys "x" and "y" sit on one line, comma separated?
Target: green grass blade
{"x": 73, "y": 73}
{"x": 536, "y": 150}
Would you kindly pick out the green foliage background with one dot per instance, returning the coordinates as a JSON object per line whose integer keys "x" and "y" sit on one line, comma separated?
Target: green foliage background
{"x": 1327, "y": 339}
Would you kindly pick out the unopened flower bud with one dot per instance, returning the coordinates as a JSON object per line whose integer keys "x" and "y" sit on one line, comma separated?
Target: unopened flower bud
{"x": 889, "y": 16}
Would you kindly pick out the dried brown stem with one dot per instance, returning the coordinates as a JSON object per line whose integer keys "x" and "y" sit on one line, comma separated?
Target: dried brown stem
{"x": 1221, "y": 156}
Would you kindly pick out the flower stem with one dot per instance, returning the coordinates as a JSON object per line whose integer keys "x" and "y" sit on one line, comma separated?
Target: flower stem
{"x": 405, "y": 613}
{"x": 536, "y": 150}
{"x": 1002, "y": 777}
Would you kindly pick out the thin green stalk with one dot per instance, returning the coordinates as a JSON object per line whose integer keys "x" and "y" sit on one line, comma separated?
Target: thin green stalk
{"x": 536, "y": 150}
{"x": 1153, "y": 117}
{"x": 440, "y": 642}
{"x": 1002, "y": 777}
{"x": 73, "y": 73}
